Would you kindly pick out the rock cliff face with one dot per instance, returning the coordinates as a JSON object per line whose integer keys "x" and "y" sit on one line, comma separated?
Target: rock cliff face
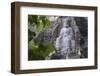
{"x": 69, "y": 37}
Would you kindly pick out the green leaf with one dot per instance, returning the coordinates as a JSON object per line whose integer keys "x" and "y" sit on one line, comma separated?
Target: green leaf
{"x": 33, "y": 45}
{"x": 40, "y": 26}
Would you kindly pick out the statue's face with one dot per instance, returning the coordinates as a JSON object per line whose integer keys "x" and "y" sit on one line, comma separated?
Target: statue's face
{"x": 65, "y": 22}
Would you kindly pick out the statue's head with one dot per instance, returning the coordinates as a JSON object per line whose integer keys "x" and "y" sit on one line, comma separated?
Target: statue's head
{"x": 66, "y": 21}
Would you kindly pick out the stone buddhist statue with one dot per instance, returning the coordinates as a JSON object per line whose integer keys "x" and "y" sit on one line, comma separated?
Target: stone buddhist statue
{"x": 65, "y": 43}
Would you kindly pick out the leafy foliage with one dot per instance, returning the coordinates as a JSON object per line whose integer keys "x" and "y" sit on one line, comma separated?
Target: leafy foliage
{"x": 40, "y": 21}
{"x": 37, "y": 50}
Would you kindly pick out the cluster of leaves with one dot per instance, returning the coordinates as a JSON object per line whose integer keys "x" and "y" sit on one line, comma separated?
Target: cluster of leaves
{"x": 37, "y": 50}
{"x": 38, "y": 20}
